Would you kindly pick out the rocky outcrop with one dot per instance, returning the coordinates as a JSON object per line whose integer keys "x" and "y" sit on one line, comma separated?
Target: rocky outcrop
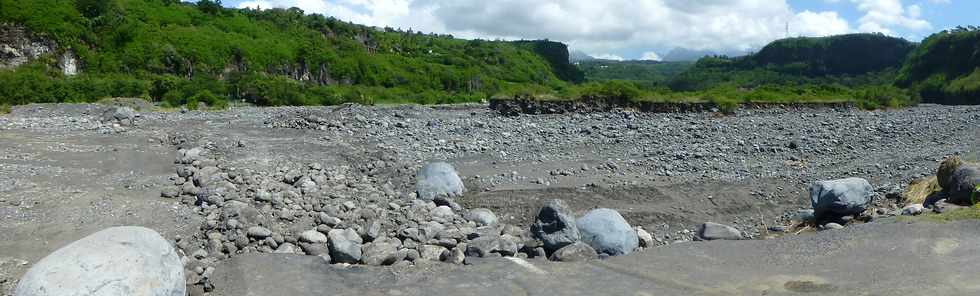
{"x": 18, "y": 46}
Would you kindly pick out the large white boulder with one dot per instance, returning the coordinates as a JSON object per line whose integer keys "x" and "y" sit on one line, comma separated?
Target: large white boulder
{"x": 438, "y": 179}
{"x": 115, "y": 261}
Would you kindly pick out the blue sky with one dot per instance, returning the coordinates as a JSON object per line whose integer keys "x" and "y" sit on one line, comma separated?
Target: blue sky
{"x": 647, "y": 29}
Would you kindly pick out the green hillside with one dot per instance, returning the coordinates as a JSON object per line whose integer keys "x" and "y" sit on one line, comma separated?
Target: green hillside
{"x": 849, "y": 60}
{"x": 945, "y": 68}
{"x": 185, "y": 53}
{"x": 646, "y": 73}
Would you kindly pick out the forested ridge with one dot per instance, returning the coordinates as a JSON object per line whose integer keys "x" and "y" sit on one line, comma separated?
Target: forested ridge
{"x": 173, "y": 52}
{"x": 945, "y": 68}
{"x": 179, "y": 53}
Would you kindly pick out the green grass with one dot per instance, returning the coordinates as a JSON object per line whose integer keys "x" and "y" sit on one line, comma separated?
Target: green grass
{"x": 967, "y": 213}
{"x": 5, "y": 109}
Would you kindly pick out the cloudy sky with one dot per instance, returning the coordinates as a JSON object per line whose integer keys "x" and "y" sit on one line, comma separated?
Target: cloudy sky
{"x": 647, "y": 29}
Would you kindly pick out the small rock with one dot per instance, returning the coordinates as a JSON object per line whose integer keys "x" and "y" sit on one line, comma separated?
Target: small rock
{"x": 170, "y": 192}
{"x": 715, "y": 231}
{"x": 832, "y": 226}
{"x": 313, "y": 236}
{"x": 913, "y": 210}
{"x": 646, "y": 240}
{"x": 433, "y": 252}
{"x": 259, "y": 232}
{"x": 443, "y": 213}
{"x": 482, "y": 217}
{"x": 577, "y": 251}
{"x": 287, "y": 248}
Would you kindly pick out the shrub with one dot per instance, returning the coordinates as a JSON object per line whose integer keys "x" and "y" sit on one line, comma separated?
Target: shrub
{"x": 213, "y": 101}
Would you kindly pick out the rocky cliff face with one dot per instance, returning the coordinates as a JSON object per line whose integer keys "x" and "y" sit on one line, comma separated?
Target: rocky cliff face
{"x": 18, "y": 46}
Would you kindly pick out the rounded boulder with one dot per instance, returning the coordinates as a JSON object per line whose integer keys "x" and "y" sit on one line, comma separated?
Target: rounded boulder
{"x": 843, "y": 197}
{"x": 115, "y": 261}
{"x": 438, "y": 179}
{"x": 607, "y": 232}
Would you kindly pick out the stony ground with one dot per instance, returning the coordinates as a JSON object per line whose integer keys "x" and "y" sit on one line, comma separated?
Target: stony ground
{"x": 205, "y": 180}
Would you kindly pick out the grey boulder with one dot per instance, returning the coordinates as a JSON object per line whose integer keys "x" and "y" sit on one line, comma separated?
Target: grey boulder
{"x": 115, "y": 261}
{"x": 555, "y": 226}
{"x": 345, "y": 245}
{"x": 482, "y": 217}
{"x": 715, "y": 231}
{"x": 381, "y": 253}
{"x": 577, "y": 251}
{"x": 963, "y": 185}
{"x": 438, "y": 179}
{"x": 607, "y": 232}
{"x": 837, "y": 198}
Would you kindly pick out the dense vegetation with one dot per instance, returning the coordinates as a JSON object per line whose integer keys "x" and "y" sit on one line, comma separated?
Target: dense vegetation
{"x": 850, "y": 60}
{"x": 858, "y": 68}
{"x": 192, "y": 54}
{"x": 177, "y": 53}
{"x": 650, "y": 74}
{"x": 945, "y": 68}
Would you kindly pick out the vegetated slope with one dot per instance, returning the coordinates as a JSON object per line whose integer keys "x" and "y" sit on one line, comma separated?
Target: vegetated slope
{"x": 187, "y": 53}
{"x": 945, "y": 68}
{"x": 852, "y": 59}
{"x": 644, "y": 73}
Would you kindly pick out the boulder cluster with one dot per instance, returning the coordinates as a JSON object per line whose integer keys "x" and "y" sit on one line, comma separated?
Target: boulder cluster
{"x": 317, "y": 211}
{"x": 956, "y": 185}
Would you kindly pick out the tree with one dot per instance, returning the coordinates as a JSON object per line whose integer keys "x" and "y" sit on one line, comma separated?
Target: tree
{"x": 92, "y": 8}
{"x": 211, "y": 7}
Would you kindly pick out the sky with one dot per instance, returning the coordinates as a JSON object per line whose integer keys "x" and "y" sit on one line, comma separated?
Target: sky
{"x": 646, "y": 29}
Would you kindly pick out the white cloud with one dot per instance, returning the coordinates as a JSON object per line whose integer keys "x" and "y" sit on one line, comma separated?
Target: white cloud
{"x": 607, "y": 56}
{"x": 621, "y": 27}
{"x": 886, "y": 15}
{"x": 651, "y": 56}
{"x": 825, "y": 23}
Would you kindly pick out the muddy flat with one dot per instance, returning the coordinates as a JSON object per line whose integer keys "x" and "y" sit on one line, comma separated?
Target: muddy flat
{"x": 888, "y": 258}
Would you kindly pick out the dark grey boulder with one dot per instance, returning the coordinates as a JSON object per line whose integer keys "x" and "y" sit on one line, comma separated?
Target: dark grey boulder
{"x": 962, "y": 188}
{"x": 607, "y": 232}
{"x": 555, "y": 226}
{"x": 122, "y": 115}
{"x": 438, "y": 179}
{"x": 837, "y": 198}
{"x": 577, "y": 251}
{"x": 715, "y": 231}
{"x": 115, "y": 261}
